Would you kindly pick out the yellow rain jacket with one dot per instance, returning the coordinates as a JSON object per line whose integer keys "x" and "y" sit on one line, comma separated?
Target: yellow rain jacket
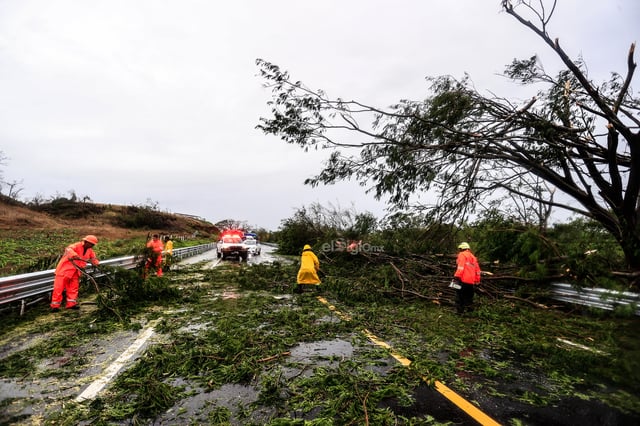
{"x": 309, "y": 266}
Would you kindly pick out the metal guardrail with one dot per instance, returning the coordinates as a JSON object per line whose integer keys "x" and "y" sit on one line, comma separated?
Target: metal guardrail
{"x": 596, "y": 297}
{"x": 39, "y": 285}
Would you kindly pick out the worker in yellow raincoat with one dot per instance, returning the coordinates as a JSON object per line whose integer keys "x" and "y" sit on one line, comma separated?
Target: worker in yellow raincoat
{"x": 309, "y": 267}
{"x": 168, "y": 252}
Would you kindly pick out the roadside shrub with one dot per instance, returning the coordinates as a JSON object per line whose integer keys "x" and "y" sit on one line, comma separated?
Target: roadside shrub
{"x": 134, "y": 217}
{"x": 591, "y": 253}
{"x": 579, "y": 252}
{"x": 123, "y": 292}
{"x": 69, "y": 208}
{"x": 276, "y": 277}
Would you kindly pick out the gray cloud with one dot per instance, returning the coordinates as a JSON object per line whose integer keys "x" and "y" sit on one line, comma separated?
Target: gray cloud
{"x": 129, "y": 101}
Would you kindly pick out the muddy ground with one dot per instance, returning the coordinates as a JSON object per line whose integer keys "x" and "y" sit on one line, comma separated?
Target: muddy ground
{"x": 68, "y": 375}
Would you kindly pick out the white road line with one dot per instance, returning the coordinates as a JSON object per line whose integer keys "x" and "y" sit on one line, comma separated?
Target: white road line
{"x": 583, "y": 347}
{"x": 97, "y": 385}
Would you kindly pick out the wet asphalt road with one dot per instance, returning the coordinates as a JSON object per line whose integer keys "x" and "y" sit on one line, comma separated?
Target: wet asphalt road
{"x": 266, "y": 255}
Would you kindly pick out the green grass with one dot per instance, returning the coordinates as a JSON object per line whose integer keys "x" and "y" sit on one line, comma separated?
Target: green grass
{"x": 28, "y": 251}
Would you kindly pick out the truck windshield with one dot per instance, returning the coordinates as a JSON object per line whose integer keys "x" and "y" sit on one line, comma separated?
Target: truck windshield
{"x": 231, "y": 240}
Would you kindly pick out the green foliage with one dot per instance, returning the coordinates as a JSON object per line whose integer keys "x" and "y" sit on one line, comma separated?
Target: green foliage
{"x": 469, "y": 149}
{"x": 406, "y": 233}
{"x": 317, "y": 224}
{"x": 15, "y": 365}
{"x": 580, "y": 251}
{"x": 69, "y": 208}
{"x": 592, "y": 253}
{"x": 275, "y": 277}
{"x": 364, "y": 224}
{"x": 136, "y": 217}
{"x": 509, "y": 242}
{"x": 219, "y": 416}
{"x": 233, "y": 330}
{"x": 524, "y": 71}
{"x": 123, "y": 292}
{"x": 28, "y": 251}
{"x": 297, "y": 231}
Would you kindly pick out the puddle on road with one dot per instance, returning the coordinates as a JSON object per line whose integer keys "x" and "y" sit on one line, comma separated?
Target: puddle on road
{"x": 32, "y": 399}
{"x": 328, "y": 319}
{"x": 194, "y": 328}
{"x": 230, "y": 293}
{"x": 236, "y": 398}
{"x": 329, "y": 353}
{"x": 305, "y": 357}
{"x": 306, "y": 352}
{"x": 196, "y": 408}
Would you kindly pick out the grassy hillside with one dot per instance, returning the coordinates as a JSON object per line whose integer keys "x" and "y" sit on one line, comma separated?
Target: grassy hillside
{"x": 32, "y": 237}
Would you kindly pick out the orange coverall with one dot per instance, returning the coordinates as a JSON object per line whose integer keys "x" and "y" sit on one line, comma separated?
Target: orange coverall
{"x": 156, "y": 247}
{"x": 68, "y": 277}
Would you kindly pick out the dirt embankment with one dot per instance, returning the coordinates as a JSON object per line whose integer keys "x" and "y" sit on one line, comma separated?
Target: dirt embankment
{"x": 110, "y": 221}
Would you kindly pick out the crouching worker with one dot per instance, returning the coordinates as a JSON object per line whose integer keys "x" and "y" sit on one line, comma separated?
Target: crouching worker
{"x": 309, "y": 267}
{"x": 67, "y": 275}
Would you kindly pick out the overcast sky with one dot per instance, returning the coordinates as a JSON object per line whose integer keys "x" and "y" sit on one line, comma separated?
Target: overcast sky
{"x": 130, "y": 101}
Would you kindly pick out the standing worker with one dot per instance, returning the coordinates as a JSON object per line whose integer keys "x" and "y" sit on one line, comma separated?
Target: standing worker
{"x": 168, "y": 250}
{"x": 309, "y": 267}
{"x": 467, "y": 276}
{"x": 154, "y": 255}
{"x": 67, "y": 275}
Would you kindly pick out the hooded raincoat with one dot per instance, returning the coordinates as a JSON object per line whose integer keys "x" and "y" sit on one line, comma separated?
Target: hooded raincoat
{"x": 309, "y": 266}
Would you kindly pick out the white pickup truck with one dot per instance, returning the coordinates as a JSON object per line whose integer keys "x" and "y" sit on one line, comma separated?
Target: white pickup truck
{"x": 253, "y": 246}
{"x": 232, "y": 245}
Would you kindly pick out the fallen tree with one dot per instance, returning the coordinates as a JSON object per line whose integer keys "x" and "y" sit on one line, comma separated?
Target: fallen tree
{"x": 575, "y": 137}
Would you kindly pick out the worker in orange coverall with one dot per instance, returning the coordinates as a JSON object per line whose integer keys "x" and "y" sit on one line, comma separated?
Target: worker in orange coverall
{"x": 309, "y": 268}
{"x": 154, "y": 258}
{"x": 467, "y": 276}
{"x": 67, "y": 275}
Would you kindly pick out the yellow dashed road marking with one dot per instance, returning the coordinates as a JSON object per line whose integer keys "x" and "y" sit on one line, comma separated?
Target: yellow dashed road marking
{"x": 333, "y": 308}
{"x": 465, "y": 405}
{"x": 444, "y": 390}
{"x": 401, "y": 359}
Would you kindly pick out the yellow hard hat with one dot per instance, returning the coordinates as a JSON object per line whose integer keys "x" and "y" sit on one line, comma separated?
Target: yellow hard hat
{"x": 91, "y": 239}
{"x": 464, "y": 246}
{"x": 306, "y": 247}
